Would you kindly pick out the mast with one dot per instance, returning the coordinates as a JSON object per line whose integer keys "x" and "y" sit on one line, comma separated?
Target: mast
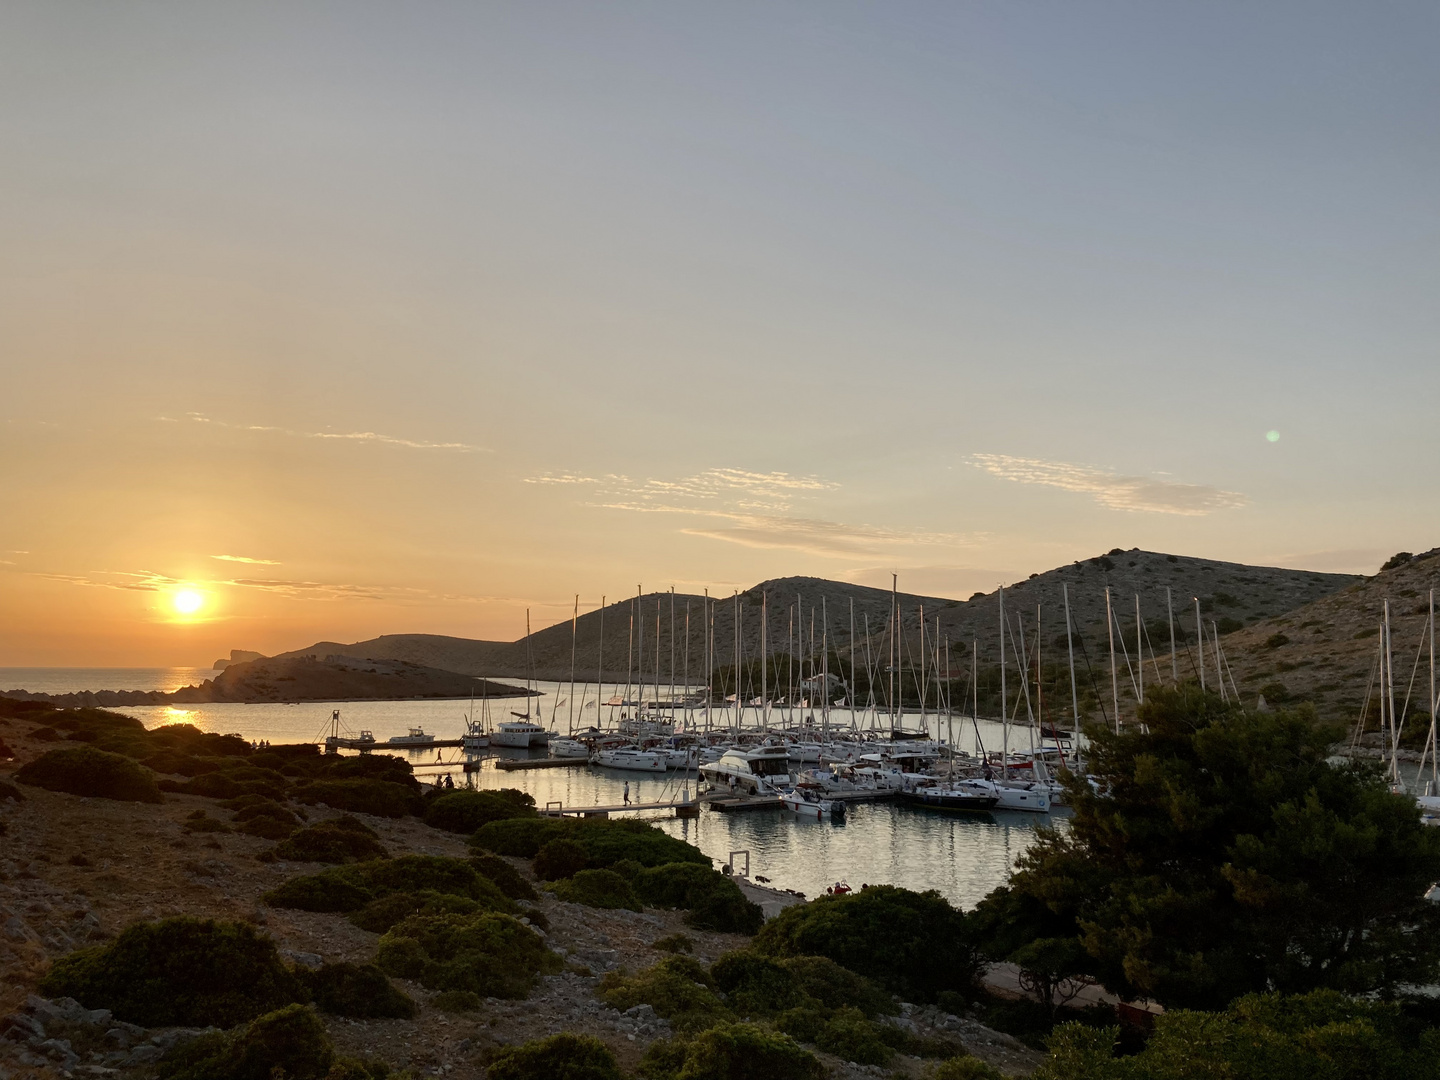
{"x": 1114, "y": 678}
{"x": 924, "y": 682}
{"x": 739, "y": 705}
{"x": 1004, "y": 697}
{"x": 687, "y": 663}
{"x": 765, "y": 660}
{"x": 709, "y": 612}
{"x": 640, "y": 650}
{"x": 1434, "y": 774}
{"x": 672, "y": 656}
{"x": 1139, "y": 654}
{"x": 850, "y": 690}
{"x": 657, "y": 656}
{"x": 600, "y": 665}
{"x": 1390, "y": 695}
{"x": 529, "y": 670}
{"x": 1219, "y": 671}
{"x": 1200, "y": 643}
{"x": 1174, "y": 661}
{"x": 1040, "y": 684}
{"x": 894, "y": 652}
{"x": 1070, "y": 651}
{"x": 574, "y": 629}
{"x": 824, "y": 671}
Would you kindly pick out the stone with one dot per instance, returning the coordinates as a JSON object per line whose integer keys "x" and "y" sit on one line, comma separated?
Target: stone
{"x": 144, "y": 1054}
{"x": 16, "y": 930}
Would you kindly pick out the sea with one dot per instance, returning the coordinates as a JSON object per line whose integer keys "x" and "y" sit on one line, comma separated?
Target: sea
{"x": 963, "y": 857}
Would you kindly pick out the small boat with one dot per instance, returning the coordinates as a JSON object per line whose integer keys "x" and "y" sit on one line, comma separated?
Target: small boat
{"x": 475, "y": 737}
{"x": 416, "y": 737}
{"x": 805, "y": 800}
{"x": 631, "y": 758}
{"x": 568, "y": 748}
{"x": 966, "y": 796}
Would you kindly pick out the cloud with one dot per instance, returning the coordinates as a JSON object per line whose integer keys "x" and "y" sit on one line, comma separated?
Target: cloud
{"x": 143, "y": 581}
{"x": 815, "y": 536}
{"x": 311, "y": 589}
{"x": 743, "y": 488}
{"x": 351, "y": 436}
{"x": 1110, "y": 489}
{"x": 243, "y": 559}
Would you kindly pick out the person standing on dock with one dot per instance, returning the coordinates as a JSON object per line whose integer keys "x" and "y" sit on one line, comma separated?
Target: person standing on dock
{"x": 627, "y": 792}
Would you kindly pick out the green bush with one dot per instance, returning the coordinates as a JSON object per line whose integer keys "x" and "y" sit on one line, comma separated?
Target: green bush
{"x": 597, "y": 889}
{"x": 605, "y": 842}
{"x": 755, "y": 985}
{"x": 466, "y": 811}
{"x": 506, "y": 878}
{"x": 674, "y": 943}
{"x": 803, "y": 1023}
{"x": 262, "y": 808}
{"x": 965, "y": 1067}
{"x": 458, "y": 1001}
{"x": 84, "y": 770}
{"x": 521, "y": 837}
{"x": 730, "y": 1052}
{"x": 833, "y": 986}
{"x": 357, "y": 990}
{"x": 290, "y": 1042}
{"x": 350, "y": 888}
{"x": 380, "y": 915}
{"x": 266, "y": 827}
{"x": 339, "y": 840}
{"x": 200, "y": 822}
{"x": 715, "y": 901}
{"x": 914, "y": 944}
{"x": 559, "y": 858}
{"x": 676, "y": 988}
{"x": 851, "y": 1037}
{"x": 489, "y": 954}
{"x": 180, "y": 971}
{"x": 379, "y": 798}
{"x": 560, "y": 1057}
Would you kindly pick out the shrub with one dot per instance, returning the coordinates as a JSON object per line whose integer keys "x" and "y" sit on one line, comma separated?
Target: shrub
{"x": 674, "y": 943}
{"x": 559, "y": 858}
{"x": 350, "y": 888}
{"x": 560, "y": 1057}
{"x": 290, "y": 1042}
{"x": 466, "y": 811}
{"x": 200, "y": 822}
{"x": 803, "y": 1024}
{"x": 489, "y": 954}
{"x": 380, "y": 798}
{"x": 715, "y": 901}
{"x": 914, "y": 944}
{"x": 730, "y": 1052}
{"x": 833, "y": 986}
{"x": 597, "y": 889}
{"x": 84, "y": 770}
{"x": 521, "y": 837}
{"x": 965, "y": 1067}
{"x": 380, "y": 915}
{"x": 851, "y": 1037}
{"x": 355, "y": 990}
{"x": 261, "y": 808}
{"x": 677, "y": 988}
{"x": 605, "y": 842}
{"x": 266, "y": 827}
{"x": 755, "y": 985}
{"x": 504, "y": 876}
{"x": 180, "y": 971}
{"x": 339, "y": 840}
{"x": 458, "y": 1001}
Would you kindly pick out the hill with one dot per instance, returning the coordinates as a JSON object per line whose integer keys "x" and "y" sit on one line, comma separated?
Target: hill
{"x": 1326, "y": 651}
{"x": 1233, "y": 594}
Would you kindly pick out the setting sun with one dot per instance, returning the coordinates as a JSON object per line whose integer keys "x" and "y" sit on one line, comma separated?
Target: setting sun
{"x": 188, "y": 601}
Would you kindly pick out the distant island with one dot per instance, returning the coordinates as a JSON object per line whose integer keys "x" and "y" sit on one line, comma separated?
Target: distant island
{"x": 299, "y": 678}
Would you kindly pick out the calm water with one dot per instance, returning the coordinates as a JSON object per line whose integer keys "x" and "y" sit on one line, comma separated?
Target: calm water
{"x": 71, "y": 680}
{"x": 963, "y": 857}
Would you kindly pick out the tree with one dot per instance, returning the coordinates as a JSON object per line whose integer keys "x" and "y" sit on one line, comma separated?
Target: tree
{"x": 1217, "y": 852}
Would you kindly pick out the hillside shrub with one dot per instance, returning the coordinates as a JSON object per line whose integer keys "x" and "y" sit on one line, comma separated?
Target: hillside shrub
{"x": 267, "y": 827}
{"x": 489, "y": 954}
{"x": 914, "y": 944}
{"x": 715, "y": 901}
{"x": 84, "y": 770}
{"x": 360, "y": 991}
{"x": 560, "y": 1057}
{"x": 677, "y": 988}
{"x": 339, "y": 840}
{"x": 380, "y": 798}
{"x": 290, "y": 1042}
{"x": 605, "y": 842}
{"x": 597, "y": 889}
{"x": 674, "y": 943}
{"x": 504, "y": 876}
{"x": 178, "y": 972}
{"x": 559, "y": 858}
{"x": 965, "y": 1067}
{"x": 755, "y": 985}
{"x": 851, "y": 1037}
{"x": 730, "y": 1051}
{"x": 832, "y": 986}
{"x": 458, "y": 1001}
{"x": 466, "y": 811}
{"x": 380, "y": 915}
{"x": 521, "y": 837}
{"x": 350, "y": 888}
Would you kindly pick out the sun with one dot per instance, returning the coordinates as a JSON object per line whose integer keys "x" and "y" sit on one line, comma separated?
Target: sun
{"x": 188, "y": 601}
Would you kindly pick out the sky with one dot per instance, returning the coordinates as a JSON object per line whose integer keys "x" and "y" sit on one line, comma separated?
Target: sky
{"x": 341, "y": 319}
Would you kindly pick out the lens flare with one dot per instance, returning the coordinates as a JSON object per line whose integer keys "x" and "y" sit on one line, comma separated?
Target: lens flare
{"x": 1272, "y": 436}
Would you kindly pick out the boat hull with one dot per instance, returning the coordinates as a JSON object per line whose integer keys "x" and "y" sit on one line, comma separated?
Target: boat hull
{"x": 956, "y": 802}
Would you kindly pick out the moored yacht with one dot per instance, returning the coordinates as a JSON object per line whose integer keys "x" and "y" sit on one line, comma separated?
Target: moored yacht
{"x": 519, "y": 733}
{"x": 415, "y": 737}
{"x": 754, "y": 770}
{"x": 631, "y": 758}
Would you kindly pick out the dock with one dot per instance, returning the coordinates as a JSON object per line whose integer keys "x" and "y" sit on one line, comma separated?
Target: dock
{"x": 511, "y": 764}
{"x": 688, "y": 808}
{"x": 342, "y": 742}
{"x": 732, "y": 804}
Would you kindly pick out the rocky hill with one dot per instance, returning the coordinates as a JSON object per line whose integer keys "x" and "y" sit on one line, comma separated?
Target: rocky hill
{"x": 1233, "y": 594}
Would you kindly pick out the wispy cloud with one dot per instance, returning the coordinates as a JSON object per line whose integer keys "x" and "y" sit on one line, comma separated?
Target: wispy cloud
{"x": 740, "y": 488}
{"x": 1111, "y": 489}
{"x": 134, "y": 581}
{"x": 243, "y": 559}
{"x": 350, "y": 436}
{"x": 816, "y": 536}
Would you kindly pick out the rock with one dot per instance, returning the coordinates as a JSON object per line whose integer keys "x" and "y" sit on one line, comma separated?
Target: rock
{"x": 643, "y": 1014}
{"x": 305, "y": 959}
{"x": 144, "y": 1054}
{"x": 16, "y": 930}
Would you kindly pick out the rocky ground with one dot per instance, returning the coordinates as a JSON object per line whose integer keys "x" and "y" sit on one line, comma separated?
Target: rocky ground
{"x": 74, "y": 871}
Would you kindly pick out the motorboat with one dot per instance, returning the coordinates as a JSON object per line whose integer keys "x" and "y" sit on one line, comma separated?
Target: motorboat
{"x": 520, "y": 734}
{"x": 807, "y": 801}
{"x": 805, "y": 753}
{"x": 754, "y": 770}
{"x": 965, "y": 796}
{"x": 568, "y": 748}
{"x": 630, "y": 758}
{"x": 415, "y": 737}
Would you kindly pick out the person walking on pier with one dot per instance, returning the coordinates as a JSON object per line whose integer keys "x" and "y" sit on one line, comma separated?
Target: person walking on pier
{"x": 627, "y": 792}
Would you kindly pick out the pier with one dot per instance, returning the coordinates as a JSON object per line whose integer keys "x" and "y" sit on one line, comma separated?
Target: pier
{"x": 511, "y": 764}
{"x": 684, "y": 808}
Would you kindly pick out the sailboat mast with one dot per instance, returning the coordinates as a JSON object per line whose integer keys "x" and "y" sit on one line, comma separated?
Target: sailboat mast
{"x": 1139, "y": 655}
{"x": 1070, "y": 652}
{"x": 1114, "y": 678}
{"x": 850, "y": 690}
{"x": 1200, "y": 643}
{"x": 894, "y": 651}
{"x": 765, "y": 660}
{"x": 1004, "y": 697}
{"x": 1390, "y": 695}
{"x": 600, "y": 664}
{"x": 824, "y": 671}
{"x": 1434, "y": 749}
{"x": 1174, "y": 661}
{"x": 574, "y": 630}
{"x": 687, "y": 664}
{"x": 672, "y": 655}
{"x": 1219, "y": 671}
